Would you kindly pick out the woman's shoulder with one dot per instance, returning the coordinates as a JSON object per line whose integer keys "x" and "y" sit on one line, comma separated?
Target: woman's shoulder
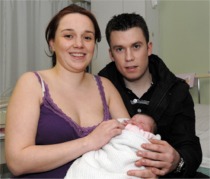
{"x": 108, "y": 86}
{"x": 29, "y": 80}
{"x": 30, "y": 76}
{"x": 27, "y": 77}
{"x": 26, "y": 85}
{"x": 105, "y": 81}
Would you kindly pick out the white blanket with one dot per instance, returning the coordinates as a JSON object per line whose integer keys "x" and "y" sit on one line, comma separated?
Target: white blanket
{"x": 113, "y": 160}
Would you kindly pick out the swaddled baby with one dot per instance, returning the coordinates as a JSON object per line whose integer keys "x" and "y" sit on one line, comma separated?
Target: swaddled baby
{"x": 118, "y": 156}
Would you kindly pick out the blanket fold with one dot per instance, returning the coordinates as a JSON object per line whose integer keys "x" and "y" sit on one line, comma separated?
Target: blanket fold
{"x": 113, "y": 160}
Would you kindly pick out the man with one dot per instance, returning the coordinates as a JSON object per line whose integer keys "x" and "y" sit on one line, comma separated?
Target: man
{"x": 147, "y": 86}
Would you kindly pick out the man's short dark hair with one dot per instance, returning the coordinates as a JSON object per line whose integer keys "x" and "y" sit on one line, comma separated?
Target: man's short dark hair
{"x": 124, "y": 22}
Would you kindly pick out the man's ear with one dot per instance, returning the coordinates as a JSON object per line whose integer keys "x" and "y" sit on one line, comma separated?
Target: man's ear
{"x": 149, "y": 48}
{"x": 111, "y": 55}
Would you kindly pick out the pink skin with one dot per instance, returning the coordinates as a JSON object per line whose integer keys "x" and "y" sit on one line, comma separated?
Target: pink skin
{"x": 143, "y": 122}
{"x": 130, "y": 51}
{"x": 74, "y": 42}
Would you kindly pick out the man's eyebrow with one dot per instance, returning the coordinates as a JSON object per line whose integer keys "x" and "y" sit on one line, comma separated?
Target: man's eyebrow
{"x": 121, "y": 46}
{"x": 117, "y": 46}
{"x": 138, "y": 42}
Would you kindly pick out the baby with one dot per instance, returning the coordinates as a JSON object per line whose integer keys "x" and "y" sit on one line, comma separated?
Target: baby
{"x": 114, "y": 159}
{"x": 141, "y": 122}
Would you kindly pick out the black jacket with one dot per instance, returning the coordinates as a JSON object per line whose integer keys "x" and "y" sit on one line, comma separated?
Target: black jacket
{"x": 172, "y": 108}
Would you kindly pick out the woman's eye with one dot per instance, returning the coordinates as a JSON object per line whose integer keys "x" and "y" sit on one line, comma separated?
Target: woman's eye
{"x": 88, "y": 38}
{"x": 68, "y": 36}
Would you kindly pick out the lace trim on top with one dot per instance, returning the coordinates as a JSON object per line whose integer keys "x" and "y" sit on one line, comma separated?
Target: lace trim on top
{"x": 49, "y": 103}
{"x": 102, "y": 94}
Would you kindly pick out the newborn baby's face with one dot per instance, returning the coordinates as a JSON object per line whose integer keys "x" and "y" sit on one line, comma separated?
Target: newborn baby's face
{"x": 143, "y": 122}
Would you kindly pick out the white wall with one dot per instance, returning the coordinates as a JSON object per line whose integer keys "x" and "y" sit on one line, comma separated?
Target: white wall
{"x": 184, "y": 39}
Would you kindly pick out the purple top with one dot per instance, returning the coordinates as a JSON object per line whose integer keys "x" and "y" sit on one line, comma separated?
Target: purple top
{"x": 55, "y": 127}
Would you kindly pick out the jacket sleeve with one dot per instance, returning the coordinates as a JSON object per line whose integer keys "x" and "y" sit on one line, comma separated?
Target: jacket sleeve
{"x": 180, "y": 126}
{"x": 189, "y": 148}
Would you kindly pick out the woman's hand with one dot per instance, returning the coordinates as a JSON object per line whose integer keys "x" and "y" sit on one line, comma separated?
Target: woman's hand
{"x": 159, "y": 156}
{"x": 103, "y": 133}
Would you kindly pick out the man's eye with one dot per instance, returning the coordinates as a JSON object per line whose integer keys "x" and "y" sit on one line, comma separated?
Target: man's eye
{"x": 136, "y": 46}
{"x": 119, "y": 49}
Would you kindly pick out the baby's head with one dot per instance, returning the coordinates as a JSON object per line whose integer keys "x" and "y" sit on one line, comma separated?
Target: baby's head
{"x": 144, "y": 122}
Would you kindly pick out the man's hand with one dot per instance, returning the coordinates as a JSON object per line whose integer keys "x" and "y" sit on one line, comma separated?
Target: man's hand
{"x": 159, "y": 156}
{"x": 144, "y": 173}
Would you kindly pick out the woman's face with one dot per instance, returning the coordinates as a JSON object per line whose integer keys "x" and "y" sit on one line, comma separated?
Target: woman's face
{"x": 74, "y": 42}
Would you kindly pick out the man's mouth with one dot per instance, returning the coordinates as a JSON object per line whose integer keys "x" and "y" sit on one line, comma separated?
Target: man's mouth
{"x": 131, "y": 67}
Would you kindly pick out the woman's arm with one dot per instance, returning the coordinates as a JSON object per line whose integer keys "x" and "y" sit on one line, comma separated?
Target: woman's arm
{"x": 22, "y": 155}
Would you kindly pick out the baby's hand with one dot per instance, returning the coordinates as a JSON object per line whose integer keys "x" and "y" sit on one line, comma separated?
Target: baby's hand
{"x": 123, "y": 121}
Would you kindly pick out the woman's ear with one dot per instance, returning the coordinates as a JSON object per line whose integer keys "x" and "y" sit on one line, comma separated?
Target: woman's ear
{"x": 52, "y": 45}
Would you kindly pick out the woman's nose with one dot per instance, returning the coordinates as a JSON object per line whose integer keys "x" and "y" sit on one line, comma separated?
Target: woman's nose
{"x": 78, "y": 43}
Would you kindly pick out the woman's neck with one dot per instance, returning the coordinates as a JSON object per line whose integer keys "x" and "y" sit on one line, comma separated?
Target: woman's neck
{"x": 69, "y": 78}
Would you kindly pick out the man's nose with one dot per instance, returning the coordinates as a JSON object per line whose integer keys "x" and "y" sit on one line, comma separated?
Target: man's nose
{"x": 129, "y": 55}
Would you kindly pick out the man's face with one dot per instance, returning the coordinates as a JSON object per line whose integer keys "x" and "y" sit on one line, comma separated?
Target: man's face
{"x": 130, "y": 52}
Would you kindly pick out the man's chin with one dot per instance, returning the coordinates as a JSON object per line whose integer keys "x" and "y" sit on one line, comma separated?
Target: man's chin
{"x": 131, "y": 79}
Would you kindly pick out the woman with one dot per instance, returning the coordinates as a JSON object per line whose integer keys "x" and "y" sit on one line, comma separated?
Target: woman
{"x": 56, "y": 115}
